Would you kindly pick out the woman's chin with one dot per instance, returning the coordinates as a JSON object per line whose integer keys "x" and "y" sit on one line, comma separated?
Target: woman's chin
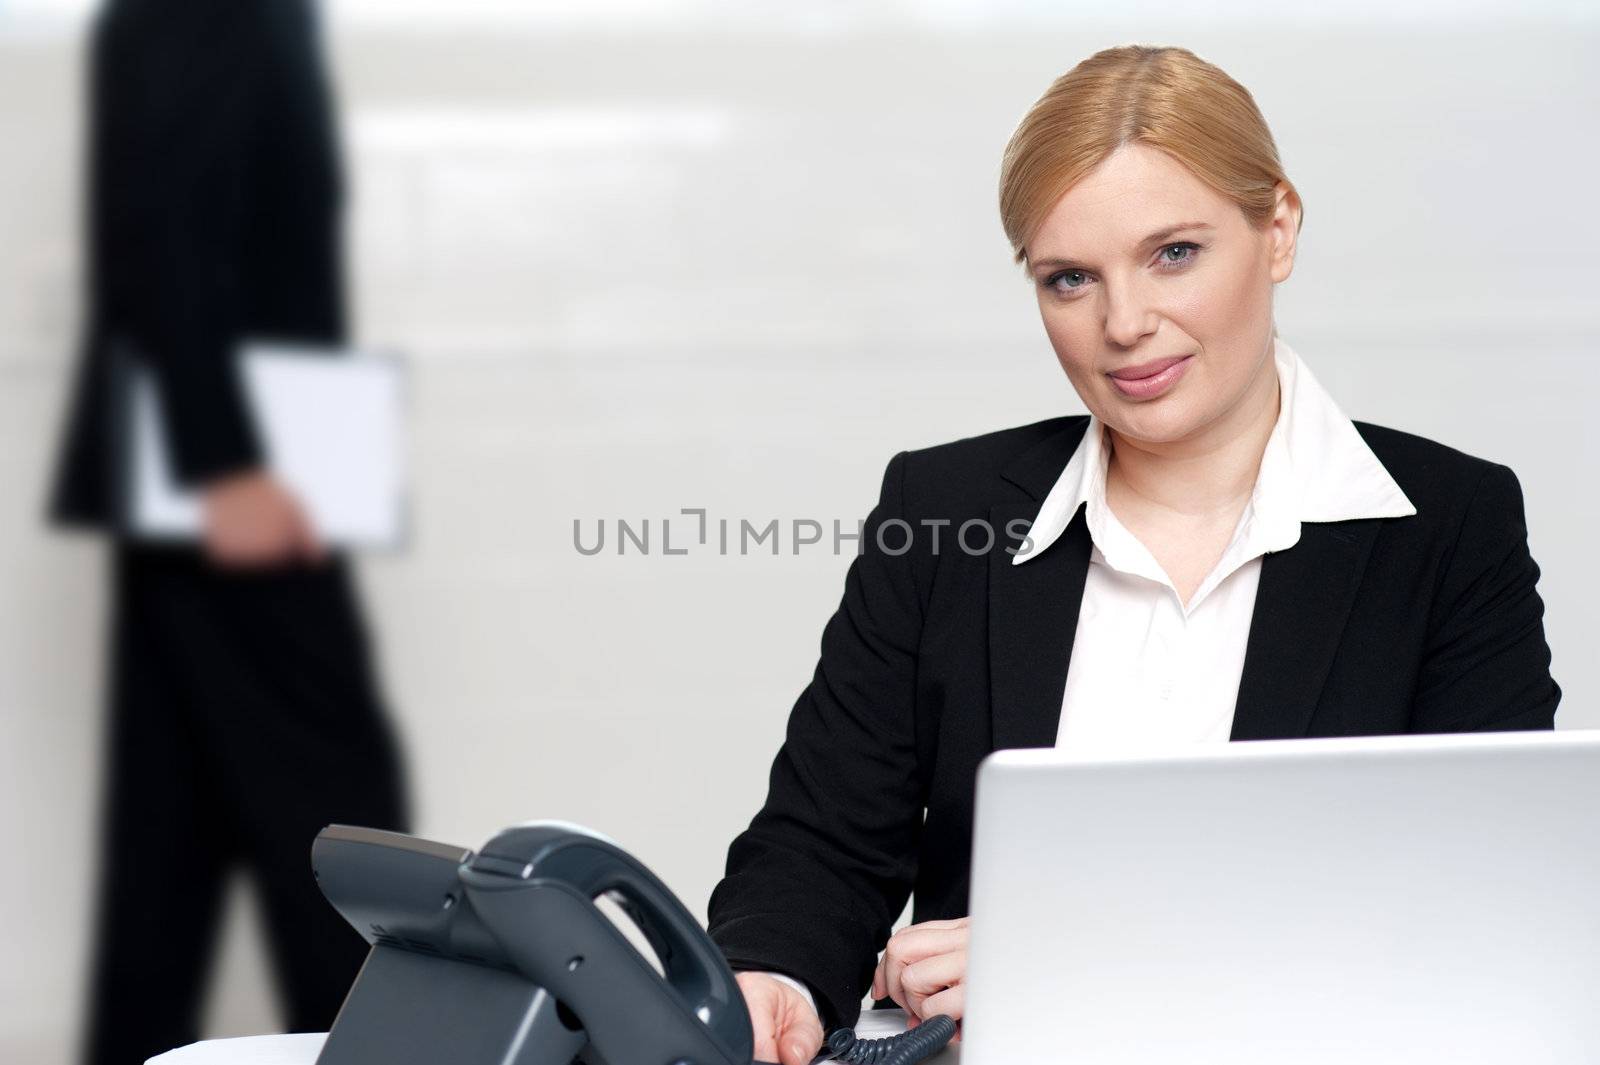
{"x": 1151, "y": 423}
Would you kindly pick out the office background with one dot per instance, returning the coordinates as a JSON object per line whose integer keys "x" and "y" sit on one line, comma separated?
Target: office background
{"x": 648, "y": 256}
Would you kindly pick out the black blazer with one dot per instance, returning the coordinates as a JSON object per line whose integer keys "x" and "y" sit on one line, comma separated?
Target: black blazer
{"x": 213, "y": 200}
{"x": 1426, "y": 623}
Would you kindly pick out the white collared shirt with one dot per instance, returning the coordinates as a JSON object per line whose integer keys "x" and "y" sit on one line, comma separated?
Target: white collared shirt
{"x": 1149, "y": 672}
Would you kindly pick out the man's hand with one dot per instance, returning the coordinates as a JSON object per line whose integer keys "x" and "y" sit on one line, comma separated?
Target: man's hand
{"x": 923, "y": 968}
{"x": 787, "y": 1029}
{"x": 252, "y": 520}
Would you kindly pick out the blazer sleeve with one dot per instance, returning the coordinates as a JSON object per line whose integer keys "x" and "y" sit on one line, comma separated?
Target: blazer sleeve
{"x": 813, "y": 886}
{"x": 190, "y": 90}
{"x": 1487, "y": 666}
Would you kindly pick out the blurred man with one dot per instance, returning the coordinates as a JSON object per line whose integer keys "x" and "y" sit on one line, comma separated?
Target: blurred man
{"x": 243, "y": 710}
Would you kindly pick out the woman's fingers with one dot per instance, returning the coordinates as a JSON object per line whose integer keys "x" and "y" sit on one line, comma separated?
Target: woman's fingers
{"x": 785, "y": 1027}
{"x": 950, "y": 1001}
{"x": 925, "y": 979}
{"x": 761, "y": 1000}
{"x": 799, "y": 1032}
{"x": 911, "y": 945}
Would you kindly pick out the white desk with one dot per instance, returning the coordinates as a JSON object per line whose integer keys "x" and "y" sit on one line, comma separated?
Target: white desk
{"x": 303, "y": 1049}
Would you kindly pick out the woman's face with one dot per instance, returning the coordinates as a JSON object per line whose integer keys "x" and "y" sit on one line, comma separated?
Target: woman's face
{"x": 1141, "y": 262}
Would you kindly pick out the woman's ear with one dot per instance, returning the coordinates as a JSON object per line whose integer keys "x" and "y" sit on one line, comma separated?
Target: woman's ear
{"x": 1283, "y": 229}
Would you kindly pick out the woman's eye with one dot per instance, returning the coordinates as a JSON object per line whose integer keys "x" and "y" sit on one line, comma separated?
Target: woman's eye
{"x": 1074, "y": 279}
{"x": 1181, "y": 260}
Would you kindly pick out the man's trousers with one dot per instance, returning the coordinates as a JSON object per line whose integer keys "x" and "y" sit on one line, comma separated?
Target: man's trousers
{"x": 244, "y": 715}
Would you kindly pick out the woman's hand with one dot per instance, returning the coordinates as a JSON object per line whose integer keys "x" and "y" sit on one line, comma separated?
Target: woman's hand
{"x": 786, "y": 1028}
{"x": 923, "y": 969}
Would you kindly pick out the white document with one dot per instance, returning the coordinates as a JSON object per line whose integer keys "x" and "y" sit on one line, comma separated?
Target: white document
{"x": 330, "y": 423}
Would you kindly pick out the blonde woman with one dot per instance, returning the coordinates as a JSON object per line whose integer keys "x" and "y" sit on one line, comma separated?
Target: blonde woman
{"x": 1215, "y": 552}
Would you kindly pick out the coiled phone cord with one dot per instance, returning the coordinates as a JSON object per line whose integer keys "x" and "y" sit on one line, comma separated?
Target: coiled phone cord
{"x": 923, "y": 1041}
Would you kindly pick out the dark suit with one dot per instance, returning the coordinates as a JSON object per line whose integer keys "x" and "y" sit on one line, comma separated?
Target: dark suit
{"x": 243, "y": 710}
{"x": 214, "y": 200}
{"x": 1426, "y": 623}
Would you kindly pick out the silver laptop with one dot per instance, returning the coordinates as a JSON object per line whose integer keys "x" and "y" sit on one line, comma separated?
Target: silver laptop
{"x": 1375, "y": 901}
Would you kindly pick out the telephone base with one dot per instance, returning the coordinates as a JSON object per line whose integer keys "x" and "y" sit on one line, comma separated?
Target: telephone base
{"x": 407, "y": 1009}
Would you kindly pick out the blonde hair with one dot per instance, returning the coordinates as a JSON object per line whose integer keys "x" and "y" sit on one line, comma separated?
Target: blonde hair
{"x": 1167, "y": 98}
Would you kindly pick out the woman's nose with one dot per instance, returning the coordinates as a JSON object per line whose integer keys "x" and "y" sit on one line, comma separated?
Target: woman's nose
{"x": 1129, "y": 317}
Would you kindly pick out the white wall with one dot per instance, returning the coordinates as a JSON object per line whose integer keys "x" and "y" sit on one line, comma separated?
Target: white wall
{"x": 699, "y": 257}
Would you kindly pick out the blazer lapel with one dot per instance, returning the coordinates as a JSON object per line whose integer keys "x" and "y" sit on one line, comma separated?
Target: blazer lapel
{"x": 1302, "y": 604}
{"x": 1033, "y": 618}
{"x": 1033, "y": 608}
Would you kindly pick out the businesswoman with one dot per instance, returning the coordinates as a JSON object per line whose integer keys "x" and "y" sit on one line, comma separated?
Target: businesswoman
{"x": 1215, "y": 552}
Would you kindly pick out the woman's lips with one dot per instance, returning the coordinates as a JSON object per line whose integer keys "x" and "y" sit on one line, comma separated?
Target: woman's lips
{"x": 1153, "y": 384}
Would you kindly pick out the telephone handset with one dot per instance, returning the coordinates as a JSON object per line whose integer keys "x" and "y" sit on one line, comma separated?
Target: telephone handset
{"x": 501, "y": 957}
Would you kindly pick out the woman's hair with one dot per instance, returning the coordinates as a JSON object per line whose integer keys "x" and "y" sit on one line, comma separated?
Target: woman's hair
{"x": 1167, "y": 98}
